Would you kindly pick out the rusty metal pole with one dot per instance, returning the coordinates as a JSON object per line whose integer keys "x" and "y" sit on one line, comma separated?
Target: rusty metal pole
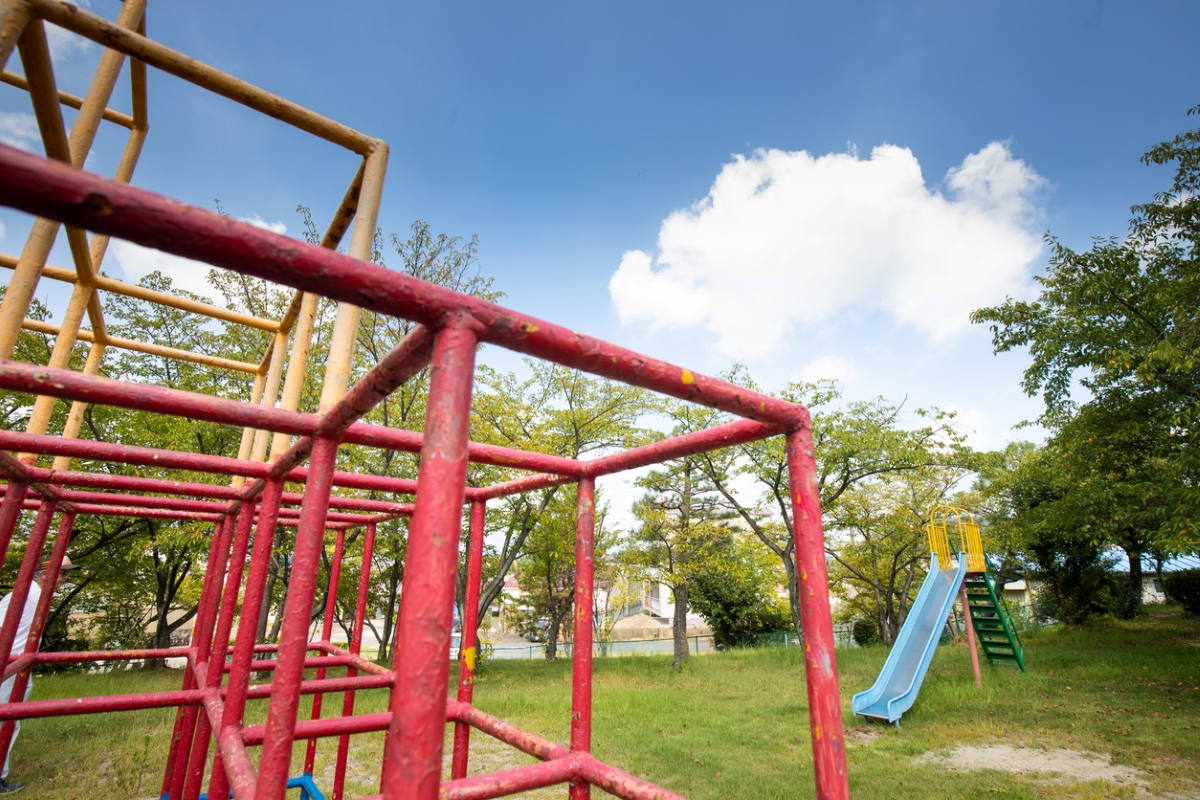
{"x": 243, "y": 650}
{"x": 412, "y": 750}
{"x": 38, "y": 625}
{"x": 335, "y": 574}
{"x": 581, "y": 667}
{"x": 202, "y": 637}
{"x": 360, "y": 618}
{"x": 820, "y": 661}
{"x": 220, "y": 647}
{"x": 468, "y": 643}
{"x": 293, "y": 638}
{"x": 10, "y": 512}
{"x": 970, "y": 634}
{"x": 29, "y": 565}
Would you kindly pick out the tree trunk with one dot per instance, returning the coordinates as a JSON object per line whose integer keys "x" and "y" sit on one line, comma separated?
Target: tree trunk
{"x": 679, "y": 625}
{"x": 793, "y": 583}
{"x": 389, "y": 613}
{"x": 1133, "y": 591}
{"x": 265, "y": 611}
{"x": 287, "y": 574}
{"x": 552, "y": 638}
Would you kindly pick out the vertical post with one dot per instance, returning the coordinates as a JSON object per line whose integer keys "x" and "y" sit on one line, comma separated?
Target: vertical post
{"x": 29, "y": 565}
{"x": 38, "y": 625}
{"x": 243, "y": 649}
{"x": 335, "y": 574}
{"x": 10, "y": 512}
{"x": 412, "y": 750}
{"x": 356, "y": 634}
{"x": 202, "y": 637}
{"x": 220, "y": 647}
{"x": 293, "y": 637}
{"x": 581, "y": 667}
{"x": 189, "y": 677}
{"x": 820, "y": 661}
{"x": 468, "y": 643}
{"x": 970, "y": 626}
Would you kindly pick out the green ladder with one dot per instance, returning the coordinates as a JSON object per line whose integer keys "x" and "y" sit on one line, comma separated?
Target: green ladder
{"x": 993, "y": 626}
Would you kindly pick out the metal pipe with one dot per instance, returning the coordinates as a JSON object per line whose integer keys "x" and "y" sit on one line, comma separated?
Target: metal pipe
{"x": 468, "y": 641}
{"x": 412, "y": 754}
{"x": 78, "y": 408}
{"x": 820, "y": 659}
{"x": 14, "y": 15}
{"x": 10, "y": 512}
{"x": 38, "y": 624}
{"x": 581, "y": 654}
{"x": 335, "y": 574}
{"x": 67, "y": 99}
{"x": 360, "y": 616}
{"x": 29, "y": 566}
{"x": 293, "y": 638}
{"x": 41, "y": 187}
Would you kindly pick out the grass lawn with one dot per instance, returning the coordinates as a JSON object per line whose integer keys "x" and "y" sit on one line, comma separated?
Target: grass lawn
{"x": 736, "y": 724}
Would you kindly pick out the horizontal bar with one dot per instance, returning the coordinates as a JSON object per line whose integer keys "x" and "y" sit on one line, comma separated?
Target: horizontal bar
{"x": 50, "y": 189}
{"x": 97, "y": 480}
{"x": 84, "y": 335}
{"x": 322, "y": 728}
{"x": 114, "y": 286}
{"x": 410, "y": 442}
{"x": 128, "y": 454}
{"x": 34, "y": 709}
{"x": 125, "y": 41}
{"x": 621, "y": 784}
{"x": 67, "y": 99}
{"x": 526, "y": 484}
{"x": 528, "y": 743}
{"x": 351, "y": 480}
{"x": 509, "y": 781}
{"x": 689, "y": 444}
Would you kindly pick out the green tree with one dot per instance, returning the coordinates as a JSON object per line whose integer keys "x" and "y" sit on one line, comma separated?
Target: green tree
{"x": 1123, "y": 320}
{"x": 738, "y": 591}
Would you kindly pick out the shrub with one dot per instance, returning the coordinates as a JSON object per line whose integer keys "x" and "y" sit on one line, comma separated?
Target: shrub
{"x": 865, "y": 632}
{"x": 1184, "y": 588}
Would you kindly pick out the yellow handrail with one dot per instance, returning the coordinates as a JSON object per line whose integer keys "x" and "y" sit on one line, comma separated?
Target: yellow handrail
{"x": 970, "y": 541}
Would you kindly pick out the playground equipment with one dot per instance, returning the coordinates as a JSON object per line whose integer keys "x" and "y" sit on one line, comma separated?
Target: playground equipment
{"x": 245, "y": 514}
{"x": 964, "y": 574}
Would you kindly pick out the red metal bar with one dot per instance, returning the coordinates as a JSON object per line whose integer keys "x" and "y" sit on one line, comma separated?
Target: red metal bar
{"x": 220, "y": 646}
{"x": 38, "y": 624}
{"x": 528, "y": 743}
{"x": 410, "y": 442}
{"x": 412, "y": 756}
{"x": 509, "y": 781}
{"x": 36, "y": 709}
{"x": 820, "y": 661}
{"x": 314, "y": 729}
{"x": 293, "y": 638}
{"x": 356, "y": 634}
{"x": 189, "y": 679}
{"x": 132, "y": 483}
{"x": 29, "y": 565}
{"x": 351, "y": 480}
{"x": 10, "y": 512}
{"x": 203, "y": 638}
{"x": 128, "y": 454}
{"x": 80, "y": 656}
{"x": 404, "y": 361}
{"x": 619, "y": 783}
{"x": 123, "y": 511}
{"x": 46, "y": 188}
{"x": 143, "y": 502}
{"x": 468, "y": 642}
{"x": 581, "y": 654}
{"x": 526, "y": 484}
{"x": 689, "y": 444}
{"x": 335, "y": 574}
{"x": 67, "y": 384}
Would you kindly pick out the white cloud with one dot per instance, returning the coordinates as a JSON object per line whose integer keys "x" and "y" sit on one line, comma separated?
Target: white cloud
{"x": 63, "y": 43}
{"x": 828, "y": 368}
{"x": 3, "y": 232}
{"x": 19, "y": 129}
{"x": 137, "y": 262}
{"x": 784, "y": 238}
{"x": 259, "y": 222}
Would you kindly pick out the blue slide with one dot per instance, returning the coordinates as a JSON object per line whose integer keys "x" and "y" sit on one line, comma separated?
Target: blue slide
{"x": 896, "y": 689}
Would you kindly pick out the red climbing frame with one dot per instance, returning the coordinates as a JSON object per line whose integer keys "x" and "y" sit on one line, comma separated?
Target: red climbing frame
{"x": 450, "y": 327}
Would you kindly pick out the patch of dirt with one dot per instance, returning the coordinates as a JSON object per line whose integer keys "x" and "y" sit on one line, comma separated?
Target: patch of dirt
{"x": 864, "y": 736}
{"x": 1048, "y": 766}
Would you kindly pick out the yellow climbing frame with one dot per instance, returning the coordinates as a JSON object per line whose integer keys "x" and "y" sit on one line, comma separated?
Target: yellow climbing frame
{"x": 970, "y": 542}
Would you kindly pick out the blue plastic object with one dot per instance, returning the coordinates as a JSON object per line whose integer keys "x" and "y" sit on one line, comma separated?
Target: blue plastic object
{"x": 306, "y": 785}
{"x": 896, "y": 689}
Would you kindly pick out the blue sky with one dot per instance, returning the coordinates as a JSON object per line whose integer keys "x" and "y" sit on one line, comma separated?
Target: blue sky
{"x": 940, "y": 140}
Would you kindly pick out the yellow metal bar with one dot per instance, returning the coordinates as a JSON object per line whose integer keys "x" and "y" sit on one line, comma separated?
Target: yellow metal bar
{"x": 67, "y": 99}
{"x": 75, "y": 418}
{"x": 149, "y": 349}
